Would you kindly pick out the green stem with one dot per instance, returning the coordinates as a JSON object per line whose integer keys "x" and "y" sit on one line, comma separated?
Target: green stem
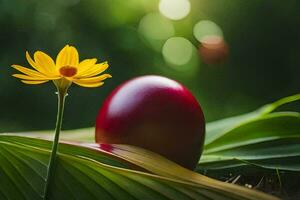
{"x": 51, "y": 166}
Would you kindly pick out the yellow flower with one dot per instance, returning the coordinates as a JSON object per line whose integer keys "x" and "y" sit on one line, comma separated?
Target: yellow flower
{"x": 66, "y": 70}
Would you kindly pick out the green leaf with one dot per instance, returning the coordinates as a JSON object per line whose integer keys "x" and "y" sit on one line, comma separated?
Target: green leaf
{"x": 269, "y": 141}
{"x": 265, "y": 139}
{"x": 94, "y": 171}
{"x": 248, "y": 143}
{"x": 242, "y": 141}
{"x": 76, "y": 135}
{"x": 217, "y": 129}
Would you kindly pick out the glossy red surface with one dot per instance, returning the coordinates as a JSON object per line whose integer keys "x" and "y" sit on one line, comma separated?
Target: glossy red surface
{"x": 155, "y": 113}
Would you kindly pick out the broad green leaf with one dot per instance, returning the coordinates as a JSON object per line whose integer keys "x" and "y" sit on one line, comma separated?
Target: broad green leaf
{"x": 93, "y": 171}
{"x": 217, "y": 129}
{"x": 214, "y": 130}
{"x": 247, "y": 143}
{"x": 262, "y": 129}
{"x": 271, "y": 141}
{"x": 264, "y": 139}
{"x": 76, "y": 135}
{"x": 269, "y": 127}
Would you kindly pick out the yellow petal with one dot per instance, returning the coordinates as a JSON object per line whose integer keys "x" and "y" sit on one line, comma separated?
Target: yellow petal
{"x": 27, "y": 71}
{"x": 33, "y": 82}
{"x": 61, "y": 57}
{"x": 95, "y": 79}
{"x": 78, "y": 82}
{"x": 34, "y": 65}
{"x": 45, "y": 62}
{"x": 93, "y": 71}
{"x": 35, "y": 78}
{"x": 68, "y": 56}
{"x": 86, "y": 64}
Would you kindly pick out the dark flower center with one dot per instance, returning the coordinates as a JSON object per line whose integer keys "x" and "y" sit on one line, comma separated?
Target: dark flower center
{"x": 68, "y": 71}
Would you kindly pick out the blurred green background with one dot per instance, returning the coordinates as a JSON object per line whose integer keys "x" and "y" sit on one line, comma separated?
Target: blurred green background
{"x": 259, "y": 59}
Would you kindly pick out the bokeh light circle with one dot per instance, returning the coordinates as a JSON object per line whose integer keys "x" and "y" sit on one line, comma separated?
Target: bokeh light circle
{"x": 154, "y": 26}
{"x": 155, "y": 29}
{"x": 175, "y": 9}
{"x": 206, "y": 28}
{"x": 177, "y": 51}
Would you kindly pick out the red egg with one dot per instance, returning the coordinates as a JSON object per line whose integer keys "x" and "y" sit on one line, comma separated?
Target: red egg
{"x": 155, "y": 113}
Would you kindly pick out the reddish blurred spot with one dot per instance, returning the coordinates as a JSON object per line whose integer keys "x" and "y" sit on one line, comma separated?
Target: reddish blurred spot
{"x": 106, "y": 147}
{"x": 68, "y": 71}
{"x": 213, "y": 50}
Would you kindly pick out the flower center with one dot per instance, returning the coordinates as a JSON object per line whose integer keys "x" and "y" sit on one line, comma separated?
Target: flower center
{"x": 68, "y": 71}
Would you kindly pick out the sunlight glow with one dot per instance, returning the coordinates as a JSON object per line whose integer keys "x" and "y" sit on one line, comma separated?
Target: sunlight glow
{"x": 177, "y": 50}
{"x": 175, "y": 9}
{"x": 155, "y": 29}
{"x": 206, "y": 28}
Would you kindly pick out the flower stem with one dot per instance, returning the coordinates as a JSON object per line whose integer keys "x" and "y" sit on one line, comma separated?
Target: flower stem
{"x": 52, "y": 162}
